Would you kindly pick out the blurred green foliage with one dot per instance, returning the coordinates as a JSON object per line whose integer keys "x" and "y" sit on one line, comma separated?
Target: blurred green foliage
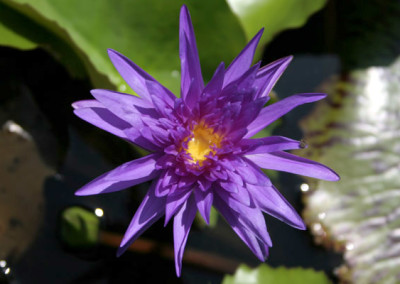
{"x": 280, "y": 275}
{"x": 78, "y": 33}
{"x": 275, "y": 15}
{"x": 11, "y": 38}
{"x": 79, "y": 228}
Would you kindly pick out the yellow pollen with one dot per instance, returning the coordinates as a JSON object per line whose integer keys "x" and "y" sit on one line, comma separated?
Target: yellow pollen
{"x": 201, "y": 143}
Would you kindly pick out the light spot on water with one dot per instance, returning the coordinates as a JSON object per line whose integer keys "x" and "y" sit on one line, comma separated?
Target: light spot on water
{"x": 349, "y": 246}
{"x": 322, "y": 215}
{"x": 99, "y": 212}
{"x": 304, "y": 187}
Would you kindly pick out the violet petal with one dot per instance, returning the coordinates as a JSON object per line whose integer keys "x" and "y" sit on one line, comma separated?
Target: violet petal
{"x": 268, "y": 75}
{"x": 259, "y": 248}
{"x": 243, "y": 61}
{"x": 204, "y": 201}
{"x": 126, "y": 175}
{"x": 182, "y": 222}
{"x": 174, "y": 202}
{"x": 190, "y": 64}
{"x": 282, "y": 161}
{"x": 272, "y": 112}
{"x": 268, "y": 144}
{"x": 133, "y": 75}
{"x": 213, "y": 88}
{"x": 104, "y": 119}
{"x": 271, "y": 201}
{"x": 127, "y": 107}
{"x": 150, "y": 210}
{"x": 86, "y": 103}
{"x": 251, "y": 218}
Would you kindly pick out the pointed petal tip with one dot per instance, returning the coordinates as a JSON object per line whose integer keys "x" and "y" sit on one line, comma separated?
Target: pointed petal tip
{"x": 335, "y": 176}
{"x": 184, "y": 14}
{"x": 80, "y": 192}
{"x": 94, "y": 92}
{"x": 184, "y": 8}
{"x": 178, "y": 271}
{"x": 261, "y": 258}
{"x": 98, "y": 93}
{"x": 259, "y": 33}
{"x": 300, "y": 225}
{"x": 85, "y": 104}
{"x": 329, "y": 174}
{"x": 76, "y": 110}
{"x": 75, "y": 105}
{"x": 112, "y": 53}
{"x": 264, "y": 256}
{"x": 115, "y": 55}
{"x": 288, "y": 58}
{"x": 316, "y": 96}
{"x": 286, "y": 61}
{"x": 120, "y": 251}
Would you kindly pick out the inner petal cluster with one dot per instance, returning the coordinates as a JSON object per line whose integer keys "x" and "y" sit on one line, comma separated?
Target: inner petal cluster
{"x": 202, "y": 142}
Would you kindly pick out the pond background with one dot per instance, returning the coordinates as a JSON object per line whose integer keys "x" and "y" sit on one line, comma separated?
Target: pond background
{"x": 56, "y": 153}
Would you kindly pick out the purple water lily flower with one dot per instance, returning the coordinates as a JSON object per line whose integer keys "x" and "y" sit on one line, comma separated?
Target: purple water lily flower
{"x": 202, "y": 154}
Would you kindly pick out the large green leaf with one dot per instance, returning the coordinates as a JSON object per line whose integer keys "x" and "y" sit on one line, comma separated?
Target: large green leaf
{"x": 79, "y": 228}
{"x": 145, "y": 31}
{"x": 281, "y": 275}
{"x": 274, "y": 15}
{"x": 357, "y": 133}
{"x": 34, "y": 33}
{"x": 9, "y": 37}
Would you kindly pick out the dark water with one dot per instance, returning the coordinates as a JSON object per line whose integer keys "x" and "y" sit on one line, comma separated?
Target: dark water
{"x": 36, "y": 93}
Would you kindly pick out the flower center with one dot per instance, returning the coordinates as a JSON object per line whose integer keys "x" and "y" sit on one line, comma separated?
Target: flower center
{"x": 202, "y": 141}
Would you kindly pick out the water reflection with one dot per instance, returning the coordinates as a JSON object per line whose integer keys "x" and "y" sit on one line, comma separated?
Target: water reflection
{"x": 304, "y": 187}
{"x": 99, "y": 212}
{"x": 12, "y": 127}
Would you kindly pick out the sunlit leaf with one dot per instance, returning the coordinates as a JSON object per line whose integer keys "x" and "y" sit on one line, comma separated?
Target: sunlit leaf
{"x": 145, "y": 31}
{"x": 281, "y": 275}
{"x": 274, "y": 15}
{"x": 357, "y": 133}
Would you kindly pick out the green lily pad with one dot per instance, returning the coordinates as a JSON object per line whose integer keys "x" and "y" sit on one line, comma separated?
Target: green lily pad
{"x": 274, "y": 15}
{"x": 146, "y": 32}
{"x": 79, "y": 33}
{"x": 36, "y": 35}
{"x": 356, "y": 132}
{"x": 9, "y": 37}
{"x": 79, "y": 227}
{"x": 281, "y": 275}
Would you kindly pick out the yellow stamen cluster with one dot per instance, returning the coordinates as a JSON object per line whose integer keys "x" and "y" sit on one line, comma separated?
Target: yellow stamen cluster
{"x": 202, "y": 142}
